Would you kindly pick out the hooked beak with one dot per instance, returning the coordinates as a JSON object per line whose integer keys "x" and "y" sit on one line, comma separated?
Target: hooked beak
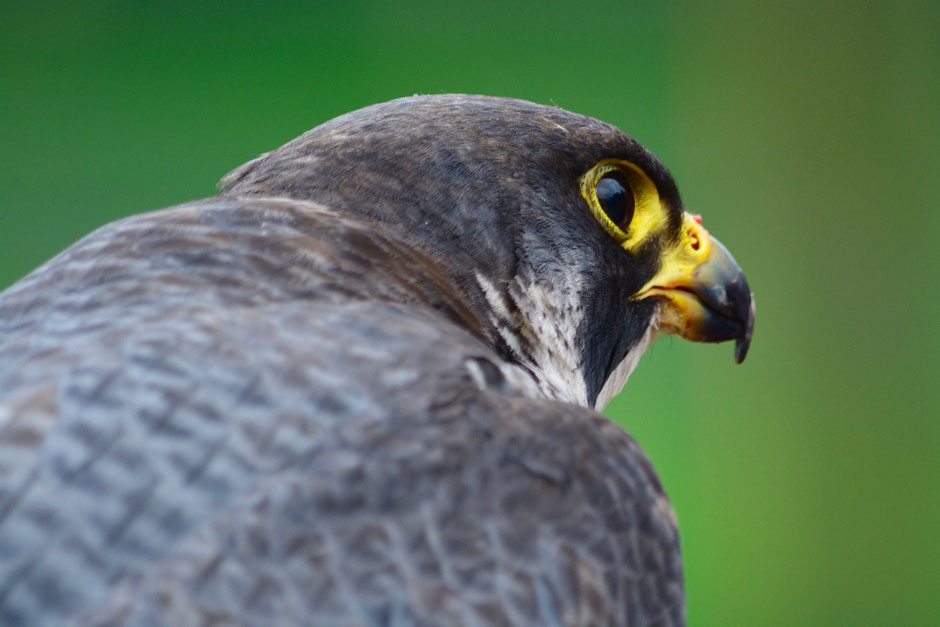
{"x": 704, "y": 293}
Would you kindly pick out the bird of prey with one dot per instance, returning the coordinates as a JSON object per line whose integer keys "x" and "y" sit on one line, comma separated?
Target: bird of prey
{"x": 360, "y": 386}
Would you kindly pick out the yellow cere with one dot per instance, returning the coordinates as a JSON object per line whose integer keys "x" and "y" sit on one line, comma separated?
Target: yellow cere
{"x": 649, "y": 215}
{"x": 681, "y": 260}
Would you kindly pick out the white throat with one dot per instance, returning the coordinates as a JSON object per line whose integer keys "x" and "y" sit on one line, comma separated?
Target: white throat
{"x": 621, "y": 374}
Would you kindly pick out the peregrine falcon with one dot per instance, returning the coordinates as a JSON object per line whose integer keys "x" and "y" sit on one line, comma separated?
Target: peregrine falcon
{"x": 360, "y": 386}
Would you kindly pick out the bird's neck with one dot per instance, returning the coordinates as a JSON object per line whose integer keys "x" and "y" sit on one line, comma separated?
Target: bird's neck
{"x": 542, "y": 328}
{"x": 539, "y": 325}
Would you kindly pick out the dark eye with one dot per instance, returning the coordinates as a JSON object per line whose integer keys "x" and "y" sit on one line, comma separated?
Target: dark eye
{"x": 616, "y": 198}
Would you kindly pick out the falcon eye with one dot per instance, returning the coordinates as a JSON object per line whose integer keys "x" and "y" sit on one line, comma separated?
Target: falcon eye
{"x": 625, "y": 202}
{"x": 615, "y": 196}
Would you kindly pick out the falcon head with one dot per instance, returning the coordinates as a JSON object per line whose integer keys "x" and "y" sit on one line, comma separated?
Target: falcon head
{"x": 565, "y": 238}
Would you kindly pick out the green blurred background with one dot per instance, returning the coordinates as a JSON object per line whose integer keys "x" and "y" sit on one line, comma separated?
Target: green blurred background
{"x": 806, "y": 481}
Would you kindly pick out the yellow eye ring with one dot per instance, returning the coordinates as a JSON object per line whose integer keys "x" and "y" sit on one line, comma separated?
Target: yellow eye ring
{"x": 648, "y": 214}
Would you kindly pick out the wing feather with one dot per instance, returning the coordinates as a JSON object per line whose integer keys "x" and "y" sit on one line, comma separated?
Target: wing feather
{"x": 197, "y": 425}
